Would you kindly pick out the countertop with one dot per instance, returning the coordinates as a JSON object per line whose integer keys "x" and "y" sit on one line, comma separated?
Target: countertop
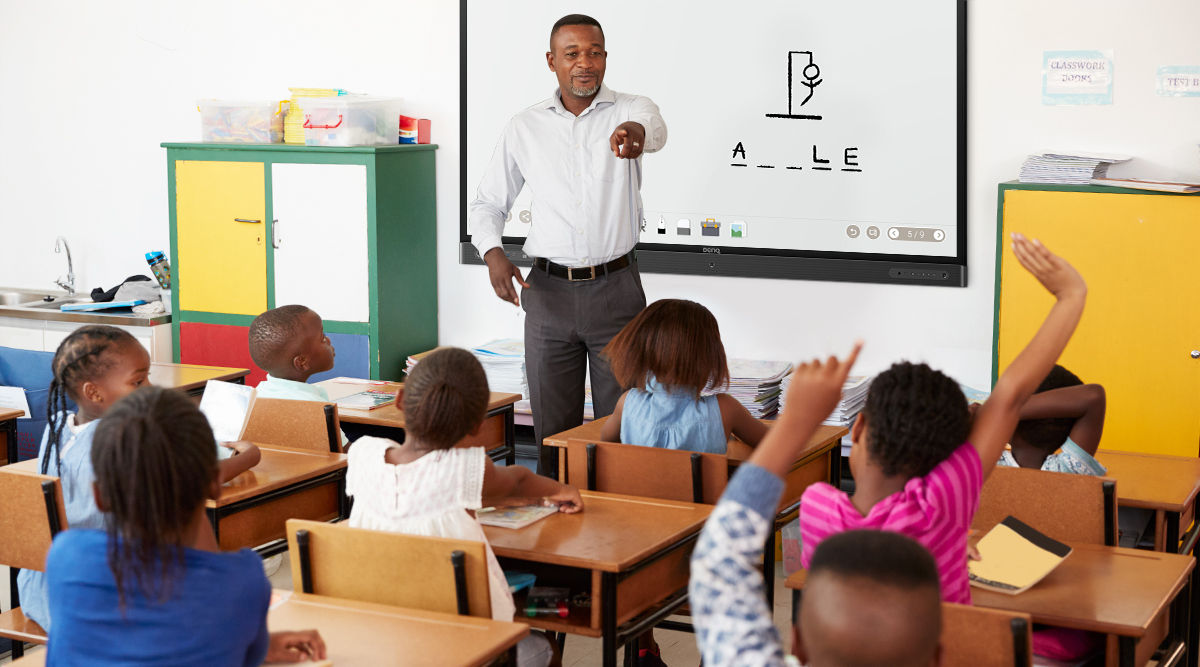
{"x": 36, "y": 311}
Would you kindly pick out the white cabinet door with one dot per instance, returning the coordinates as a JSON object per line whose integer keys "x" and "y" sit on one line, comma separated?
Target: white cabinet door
{"x": 321, "y": 238}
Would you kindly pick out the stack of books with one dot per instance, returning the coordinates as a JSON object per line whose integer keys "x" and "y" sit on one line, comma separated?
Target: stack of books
{"x": 757, "y": 385}
{"x": 1077, "y": 168}
{"x": 503, "y": 361}
{"x": 854, "y": 397}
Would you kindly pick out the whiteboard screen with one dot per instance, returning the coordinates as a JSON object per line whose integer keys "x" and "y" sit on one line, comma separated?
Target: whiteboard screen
{"x": 796, "y": 128}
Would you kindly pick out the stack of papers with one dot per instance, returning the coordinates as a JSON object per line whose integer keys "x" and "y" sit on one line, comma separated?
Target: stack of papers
{"x": 854, "y": 397}
{"x": 1155, "y": 186}
{"x": 1077, "y": 168}
{"x": 756, "y": 385}
{"x": 504, "y": 362}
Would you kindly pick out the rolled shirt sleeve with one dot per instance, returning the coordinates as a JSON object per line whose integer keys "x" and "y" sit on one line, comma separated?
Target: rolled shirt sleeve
{"x": 645, "y": 112}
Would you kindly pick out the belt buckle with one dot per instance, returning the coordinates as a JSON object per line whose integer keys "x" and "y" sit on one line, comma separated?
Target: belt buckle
{"x": 571, "y": 274}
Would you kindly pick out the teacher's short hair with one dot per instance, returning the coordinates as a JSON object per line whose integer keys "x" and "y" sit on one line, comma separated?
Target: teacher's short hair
{"x": 574, "y": 19}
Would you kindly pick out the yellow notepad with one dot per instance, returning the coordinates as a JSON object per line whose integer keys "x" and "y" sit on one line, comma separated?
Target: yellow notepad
{"x": 1014, "y": 557}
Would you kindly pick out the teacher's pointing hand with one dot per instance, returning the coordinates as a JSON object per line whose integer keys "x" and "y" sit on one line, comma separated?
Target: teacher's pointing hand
{"x": 627, "y": 140}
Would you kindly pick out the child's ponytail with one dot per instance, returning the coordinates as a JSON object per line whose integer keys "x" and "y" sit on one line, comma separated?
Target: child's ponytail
{"x": 445, "y": 397}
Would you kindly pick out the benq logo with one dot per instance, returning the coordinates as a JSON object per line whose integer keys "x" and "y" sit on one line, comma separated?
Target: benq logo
{"x": 716, "y": 251}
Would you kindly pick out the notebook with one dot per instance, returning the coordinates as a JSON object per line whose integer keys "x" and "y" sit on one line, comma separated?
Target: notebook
{"x": 227, "y": 407}
{"x": 367, "y": 400}
{"x": 513, "y": 517}
{"x": 1014, "y": 557}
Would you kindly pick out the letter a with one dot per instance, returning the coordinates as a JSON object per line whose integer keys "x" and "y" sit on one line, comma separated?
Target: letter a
{"x": 739, "y": 149}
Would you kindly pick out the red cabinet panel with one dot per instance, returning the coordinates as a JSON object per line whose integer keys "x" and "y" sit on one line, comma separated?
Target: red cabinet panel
{"x": 218, "y": 345}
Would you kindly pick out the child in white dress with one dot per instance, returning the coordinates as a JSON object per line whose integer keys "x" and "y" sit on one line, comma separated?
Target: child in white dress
{"x": 427, "y": 486}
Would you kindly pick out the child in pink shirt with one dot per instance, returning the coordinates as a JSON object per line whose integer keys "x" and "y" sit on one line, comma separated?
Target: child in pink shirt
{"x": 919, "y": 459}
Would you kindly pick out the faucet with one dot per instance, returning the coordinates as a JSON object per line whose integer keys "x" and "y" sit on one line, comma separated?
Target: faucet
{"x": 59, "y": 244}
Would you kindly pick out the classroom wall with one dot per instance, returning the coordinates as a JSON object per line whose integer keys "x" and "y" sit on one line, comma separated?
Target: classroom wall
{"x": 93, "y": 88}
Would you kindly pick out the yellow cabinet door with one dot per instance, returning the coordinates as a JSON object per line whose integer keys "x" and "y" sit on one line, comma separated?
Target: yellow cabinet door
{"x": 221, "y": 229}
{"x": 1142, "y": 319}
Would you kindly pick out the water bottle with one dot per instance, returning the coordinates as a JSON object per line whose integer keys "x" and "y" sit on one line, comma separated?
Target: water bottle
{"x": 160, "y": 267}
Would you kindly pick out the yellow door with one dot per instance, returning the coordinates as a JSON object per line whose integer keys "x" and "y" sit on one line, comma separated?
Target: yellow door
{"x": 221, "y": 228}
{"x": 1142, "y": 319}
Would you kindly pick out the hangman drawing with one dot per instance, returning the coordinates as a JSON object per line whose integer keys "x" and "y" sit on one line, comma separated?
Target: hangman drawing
{"x": 811, "y": 74}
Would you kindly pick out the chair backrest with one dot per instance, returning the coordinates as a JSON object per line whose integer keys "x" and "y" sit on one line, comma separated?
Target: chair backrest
{"x": 29, "y": 369}
{"x": 432, "y": 573}
{"x": 978, "y": 637}
{"x": 666, "y": 474}
{"x": 289, "y": 423}
{"x": 1067, "y": 507}
{"x": 33, "y": 513}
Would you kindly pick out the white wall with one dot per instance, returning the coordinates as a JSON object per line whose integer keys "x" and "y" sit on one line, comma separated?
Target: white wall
{"x": 93, "y": 88}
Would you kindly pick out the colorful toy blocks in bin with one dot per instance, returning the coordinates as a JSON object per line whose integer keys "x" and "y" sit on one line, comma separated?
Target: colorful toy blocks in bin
{"x": 225, "y": 121}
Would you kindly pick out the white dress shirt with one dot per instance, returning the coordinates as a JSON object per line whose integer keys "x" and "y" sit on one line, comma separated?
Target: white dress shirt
{"x": 587, "y": 203}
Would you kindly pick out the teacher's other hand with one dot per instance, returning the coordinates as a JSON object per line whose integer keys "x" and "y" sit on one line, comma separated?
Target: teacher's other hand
{"x": 501, "y": 272}
{"x": 628, "y": 140}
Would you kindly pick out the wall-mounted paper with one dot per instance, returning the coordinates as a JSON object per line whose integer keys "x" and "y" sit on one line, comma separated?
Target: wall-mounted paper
{"x": 1179, "y": 81}
{"x": 1077, "y": 77}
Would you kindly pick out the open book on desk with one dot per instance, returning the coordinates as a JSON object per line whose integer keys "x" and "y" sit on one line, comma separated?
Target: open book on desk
{"x": 227, "y": 407}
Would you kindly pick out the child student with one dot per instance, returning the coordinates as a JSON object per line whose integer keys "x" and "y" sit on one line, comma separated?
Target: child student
{"x": 155, "y": 588}
{"x": 95, "y": 366}
{"x": 427, "y": 486}
{"x": 290, "y": 344}
{"x": 919, "y": 460}
{"x": 869, "y": 599}
{"x": 667, "y": 355}
{"x": 1063, "y": 412}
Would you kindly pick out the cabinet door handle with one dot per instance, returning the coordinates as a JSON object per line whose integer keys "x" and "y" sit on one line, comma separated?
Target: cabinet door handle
{"x": 247, "y": 220}
{"x": 275, "y": 234}
{"x": 1196, "y": 354}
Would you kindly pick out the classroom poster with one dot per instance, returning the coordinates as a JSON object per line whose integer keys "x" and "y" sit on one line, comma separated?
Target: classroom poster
{"x": 1179, "y": 81}
{"x": 1077, "y": 77}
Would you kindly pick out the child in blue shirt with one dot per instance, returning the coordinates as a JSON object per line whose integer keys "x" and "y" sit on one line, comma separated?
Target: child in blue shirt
{"x": 95, "y": 366}
{"x": 667, "y": 356}
{"x": 1064, "y": 413}
{"x": 154, "y": 588}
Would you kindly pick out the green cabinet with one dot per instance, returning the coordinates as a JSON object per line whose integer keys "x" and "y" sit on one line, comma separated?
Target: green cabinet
{"x": 349, "y": 232}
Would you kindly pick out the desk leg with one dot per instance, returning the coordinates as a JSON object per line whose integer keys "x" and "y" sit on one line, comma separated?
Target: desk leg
{"x": 1127, "y": 649}
{"x": 10, "y": 436}
{"x": 214, "y": 519}
{"x": 835, "y": 465}
{"x": 608, "y": 618}
{"x": 510, "y": 436}
{"x": 768, "y": 566}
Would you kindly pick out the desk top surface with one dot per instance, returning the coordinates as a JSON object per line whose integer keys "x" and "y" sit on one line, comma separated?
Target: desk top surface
{"x": 390, "y": 415}
{"x": 612, "y": 533}
{"x": 360, "y": 633}
{"x": 1153, "y": 481}
{"x": 1100, "y": 589}
{"x": 187, "y": 377}
{"x": 824, "y": 438}
{"x": 279, "y": 467}
{"x": 7, "y": 414}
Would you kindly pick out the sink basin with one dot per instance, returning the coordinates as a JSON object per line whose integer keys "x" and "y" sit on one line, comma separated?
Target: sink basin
{"x": 54, "y": 305}
{"x": 14, "y": 297}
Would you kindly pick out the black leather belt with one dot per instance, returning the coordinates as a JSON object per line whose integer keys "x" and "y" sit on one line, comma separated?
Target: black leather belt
{"x": 582, "y": 273}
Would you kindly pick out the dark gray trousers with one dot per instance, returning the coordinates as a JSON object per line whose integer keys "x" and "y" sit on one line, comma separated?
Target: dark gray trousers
{"x": 567, "y": 324}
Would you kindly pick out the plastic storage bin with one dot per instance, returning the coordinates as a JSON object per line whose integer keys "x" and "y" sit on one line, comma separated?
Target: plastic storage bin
{"x": 241, "y": 122}
{"x": 349, "y": 120}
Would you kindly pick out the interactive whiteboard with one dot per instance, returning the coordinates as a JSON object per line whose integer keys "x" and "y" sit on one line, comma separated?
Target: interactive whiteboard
{"x": 806, "y": 139}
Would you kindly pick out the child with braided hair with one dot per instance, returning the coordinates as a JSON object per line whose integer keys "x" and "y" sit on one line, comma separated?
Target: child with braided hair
{"x": 94, "y": 366}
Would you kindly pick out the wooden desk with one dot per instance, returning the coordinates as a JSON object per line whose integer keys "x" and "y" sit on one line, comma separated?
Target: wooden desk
{"x": 631, "y": 555}
{"x": 8, "y": 428}
{"x": 496, "y": 434}
{"x": 286, "y": 484}
{"x": 190, "y": 379}
{"x": 819, "y": 461}
{"x": 360, "y": 633}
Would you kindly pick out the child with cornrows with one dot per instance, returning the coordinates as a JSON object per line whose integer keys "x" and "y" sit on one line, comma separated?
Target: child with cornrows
{"x": 94, "y": 366}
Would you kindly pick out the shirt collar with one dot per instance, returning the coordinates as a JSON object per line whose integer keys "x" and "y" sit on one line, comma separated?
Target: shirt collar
{"x": 604, "y": 96}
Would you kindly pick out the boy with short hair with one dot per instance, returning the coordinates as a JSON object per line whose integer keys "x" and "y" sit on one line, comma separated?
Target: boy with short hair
{"x": 290, "y": 344}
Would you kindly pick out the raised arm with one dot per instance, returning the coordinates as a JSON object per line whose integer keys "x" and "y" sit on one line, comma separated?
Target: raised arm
{"x": 1085, "y": 403}
{"x": 516, "y": 485}
{"x": 997, "y": 417}
{"x": 738, "y": 421}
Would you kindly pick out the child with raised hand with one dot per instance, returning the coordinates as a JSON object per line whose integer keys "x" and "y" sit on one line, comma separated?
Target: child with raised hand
{"x": 733, "y": 624}
{"x": 666, "y": 357}
{"x": 95, "y": 366}
{"x": 918, "y": 458}
{"x": 1063, "y": 413}
{"x": 155, "y": 588}
{"x": 427, "y": 486}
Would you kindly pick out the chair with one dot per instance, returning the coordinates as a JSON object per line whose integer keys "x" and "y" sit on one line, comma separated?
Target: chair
{"x": 431, "y": 573}
{"x": 1070, "y": 508}
{"x": 26, "y": 499}
{"x": 978, "y": 637}
{"x": 298, "y": 424}
{"x": 633, "y": 470}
